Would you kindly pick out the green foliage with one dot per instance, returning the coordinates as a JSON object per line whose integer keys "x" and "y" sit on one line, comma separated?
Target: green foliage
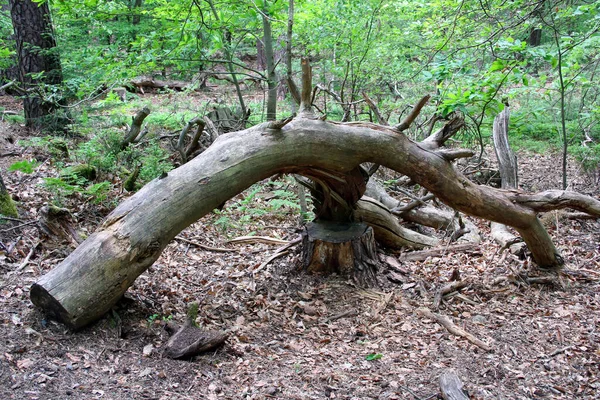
{"x": 588, "y": 157}
{"x": 7, "y": 206}
{"x": 24, "y": 166}
{"x": 374, "y": 356}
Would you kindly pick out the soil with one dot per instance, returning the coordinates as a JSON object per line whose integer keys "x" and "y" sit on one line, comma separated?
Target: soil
{"x": 299, "y": 336}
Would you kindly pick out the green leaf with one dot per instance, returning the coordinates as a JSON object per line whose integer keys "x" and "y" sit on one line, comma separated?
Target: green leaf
{"x": 554, "y": 62}
{"x": 24, "y": 166}
{"x": 497, "y": 65}
{"x": 373, "y": 356}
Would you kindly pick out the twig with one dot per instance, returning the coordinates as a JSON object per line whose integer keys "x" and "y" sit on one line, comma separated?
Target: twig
{"x": 26, "y": 261}
{"x": 258, "y": 239}
{"x": 559, "y": 351}
{"x": 278, "y": 253}
{"x": 348, "y": 313}
{"x": 10, "y": 218}
{"x": 268, "y": 261}
{"x": 205, "y": 247}
{"x": 444, "y": 290}
{"x": 19, "y": 226}
{"x": 447, "y": 323}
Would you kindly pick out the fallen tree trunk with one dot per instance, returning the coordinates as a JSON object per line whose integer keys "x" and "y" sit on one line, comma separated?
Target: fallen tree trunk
{"x": 92, "y": 279}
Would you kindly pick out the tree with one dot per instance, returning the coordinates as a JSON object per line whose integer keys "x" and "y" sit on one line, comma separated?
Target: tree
{"x": 93, "y": 278}
{"x": 39, "y": 62}
{"x": 7, "y": 206}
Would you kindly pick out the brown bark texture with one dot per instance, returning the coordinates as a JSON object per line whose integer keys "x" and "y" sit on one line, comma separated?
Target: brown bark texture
{"x": 36, "y": 53}
{"x": 347, "y": 249}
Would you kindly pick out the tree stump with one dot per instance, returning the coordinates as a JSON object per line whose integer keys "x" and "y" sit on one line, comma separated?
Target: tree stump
{"x": 348, "y": 249}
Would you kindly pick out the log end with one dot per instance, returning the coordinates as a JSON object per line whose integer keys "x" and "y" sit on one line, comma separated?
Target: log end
{"x": 50, "y": 306}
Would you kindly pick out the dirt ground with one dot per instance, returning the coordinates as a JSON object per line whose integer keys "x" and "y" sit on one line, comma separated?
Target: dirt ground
{"x": 295, "y": 336}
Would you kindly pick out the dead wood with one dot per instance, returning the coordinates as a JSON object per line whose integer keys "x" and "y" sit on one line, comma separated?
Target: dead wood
{"x": 386, "y": 227}
{"x": 378, "y": 116}
{"x": 92, "y": 279}
{"x": 409, "y": 119}
{"x": 423, "y": 215}
{"x": 136, "y": 127}
{"x": 447, "y": 323}
{"x": 57, "y": 224}
{"x": 451, "y": 387}
{"x": 556, "y": 200}
{"x": 471, "y": 248}
{"x": 190, "y": 341}
{"x": 347, "y": 249}
{"x": 145, "y": 82}
{"x": 509, "y": 174}
{"x": 446, "y": 289}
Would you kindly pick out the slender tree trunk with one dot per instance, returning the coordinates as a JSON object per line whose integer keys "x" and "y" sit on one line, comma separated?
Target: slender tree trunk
{"x": 270, "y": 59}
{"x": 563, "y": 123}
{"x": 295, "y": 94}
{"x": 38, "y": 58}
{"x": 137, "y": 5}
{"x": 230, "y": 68}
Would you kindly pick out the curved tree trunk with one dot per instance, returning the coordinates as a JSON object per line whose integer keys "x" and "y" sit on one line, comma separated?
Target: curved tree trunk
{"x": 99, "y": 271}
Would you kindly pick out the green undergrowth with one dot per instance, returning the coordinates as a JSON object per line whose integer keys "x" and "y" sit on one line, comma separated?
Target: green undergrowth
{"x": 271, "y": 199}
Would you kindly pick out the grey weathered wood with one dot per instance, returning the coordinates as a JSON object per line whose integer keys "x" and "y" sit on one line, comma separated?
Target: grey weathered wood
{"x": 451, "y": 387}
{"x": 507, "y": 160}
{"x": 93, "y": 278}
{"x": 509, "y": 174}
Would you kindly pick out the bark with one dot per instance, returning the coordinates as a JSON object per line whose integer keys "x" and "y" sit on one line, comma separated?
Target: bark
{"x": 36, "y": 54}
{"x": 509, "y": 173}
{"x": 270, "y": 61}
{"x": 347, "y": 249}
{"x": 93, "y": 278}
{"x": 451, "y": 387}
{"x": 7, "y": 205}
{"x": 136, "y": 127}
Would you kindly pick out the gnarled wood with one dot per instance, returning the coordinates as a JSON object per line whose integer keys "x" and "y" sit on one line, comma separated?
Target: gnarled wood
{"x": 92, "y": 279}
{"x": 509, "y": 173}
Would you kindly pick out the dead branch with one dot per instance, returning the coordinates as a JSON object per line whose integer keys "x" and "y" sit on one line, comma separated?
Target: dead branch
{"x": 556, "y": 200}
{"x": 447, "y": 323}
{"x": 380, "y": 119}
{"x": 446, "y": 289}
{"x": 136, "y": 127}
{"x": 205, "y": 247}
{"x": 409, "y": 119}
{"x": 471, "y": 248}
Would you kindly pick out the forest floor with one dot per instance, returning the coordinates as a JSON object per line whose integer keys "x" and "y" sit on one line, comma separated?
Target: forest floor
{"x": 296, "y": 336}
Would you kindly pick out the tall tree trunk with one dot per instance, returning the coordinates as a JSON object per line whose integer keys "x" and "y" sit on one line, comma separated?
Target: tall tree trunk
{"x": 270, "y": 59}
{"x": 39, "y": 61}
{"x": 230, "y": 68}
{"x": 137, "y": 5}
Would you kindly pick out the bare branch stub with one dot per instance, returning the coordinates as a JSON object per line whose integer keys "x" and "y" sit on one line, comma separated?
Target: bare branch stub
{"x": 405, "y": 124}
{"x": 305, "y": 101}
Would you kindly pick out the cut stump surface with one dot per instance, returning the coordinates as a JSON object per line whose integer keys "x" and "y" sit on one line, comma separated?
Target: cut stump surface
{"x": 347, "y": 249}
